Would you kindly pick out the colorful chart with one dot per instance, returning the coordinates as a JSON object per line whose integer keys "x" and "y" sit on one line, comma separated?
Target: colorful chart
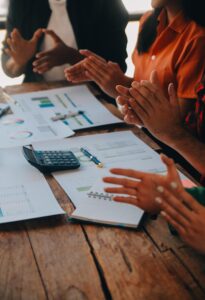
{"x": 12, "y": 121}
{"x": 44, "y": 102}
{"x": 21, "y": 135}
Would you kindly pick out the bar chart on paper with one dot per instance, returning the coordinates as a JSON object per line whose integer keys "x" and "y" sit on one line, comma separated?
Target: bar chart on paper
{"x": 79, "y": 108}
{"x": 14, "y": 201}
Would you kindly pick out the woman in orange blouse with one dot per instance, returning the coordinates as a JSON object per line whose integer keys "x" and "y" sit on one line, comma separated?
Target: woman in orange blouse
{"x": 171, "y": 41}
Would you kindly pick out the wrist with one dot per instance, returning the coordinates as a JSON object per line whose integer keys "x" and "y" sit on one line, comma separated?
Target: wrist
{"x": 15, "y": 67}
{"x": 177, "y": 137}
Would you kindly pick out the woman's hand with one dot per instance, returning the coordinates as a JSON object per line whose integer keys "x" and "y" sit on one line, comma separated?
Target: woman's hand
{"x": 140, "y": 188}
{"x": 59, "y": 55}
{"x": 21, "y": 50}
{"x": 186, "y": 215}
{"x": 94, "y": 68}
{"x": 145, "y": 104}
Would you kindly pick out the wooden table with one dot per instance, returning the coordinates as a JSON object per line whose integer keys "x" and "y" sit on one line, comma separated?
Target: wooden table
{"x": 54, "y": 259}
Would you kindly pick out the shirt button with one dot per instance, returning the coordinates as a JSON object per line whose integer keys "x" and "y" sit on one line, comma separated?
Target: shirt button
{"x": 153, "y": 57}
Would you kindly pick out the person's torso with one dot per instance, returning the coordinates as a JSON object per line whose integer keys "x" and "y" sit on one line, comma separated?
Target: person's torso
{"x": 60, "y": 23}
{"x": 166, "y": 53}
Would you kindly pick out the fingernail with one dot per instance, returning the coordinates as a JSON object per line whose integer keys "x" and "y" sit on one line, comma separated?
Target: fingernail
{"x": 174, "y": 185}
{"x": 158, "y": 200}
{"x": 160, "y": 189}
{"x": 163, "y": 213}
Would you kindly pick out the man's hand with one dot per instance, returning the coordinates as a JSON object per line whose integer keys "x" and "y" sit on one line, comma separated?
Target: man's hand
{"x": 59, "y": 55}
{"x": 145, "y": 104}
{"x": 94, "y": 68}
{"x": 186, "y": 215}
{"x": 140, "y": 188}
{"x": 21, "y": 50}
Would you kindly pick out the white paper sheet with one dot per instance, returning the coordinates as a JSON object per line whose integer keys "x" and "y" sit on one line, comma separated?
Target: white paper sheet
{"x": 24, "y": 192}
{"x": 121, "y": 149}
{"x": 23, "y": 128}
{"x": 47, "y": 104}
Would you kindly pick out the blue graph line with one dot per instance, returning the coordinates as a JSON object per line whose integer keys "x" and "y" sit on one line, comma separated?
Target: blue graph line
{"x": 1, "y": 213}
{"x": 71, "y": 102}
{"x": 87, "y": 119}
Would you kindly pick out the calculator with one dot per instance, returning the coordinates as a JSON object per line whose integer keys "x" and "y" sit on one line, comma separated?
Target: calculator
{"x": 51, "y": 161}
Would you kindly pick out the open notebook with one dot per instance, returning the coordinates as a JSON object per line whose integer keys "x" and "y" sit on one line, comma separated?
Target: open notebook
{"x": 98, "y": 206}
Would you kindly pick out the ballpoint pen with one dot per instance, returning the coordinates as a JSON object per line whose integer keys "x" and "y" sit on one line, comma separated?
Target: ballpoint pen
{"x": 92, "y": 157}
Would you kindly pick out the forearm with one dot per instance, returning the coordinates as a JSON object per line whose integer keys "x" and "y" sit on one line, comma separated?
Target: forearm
{"x": 189, "y": 147}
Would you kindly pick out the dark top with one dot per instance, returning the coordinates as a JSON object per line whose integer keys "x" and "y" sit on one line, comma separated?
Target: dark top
{"x": 99, "y": 25}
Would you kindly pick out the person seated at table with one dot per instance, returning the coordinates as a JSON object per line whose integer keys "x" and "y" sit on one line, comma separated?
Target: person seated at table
{"x": 171, "y": 40}
{"x": 145, "y": 104}
{"x": 154, "y": 193}
{"x": 41, "y": 53}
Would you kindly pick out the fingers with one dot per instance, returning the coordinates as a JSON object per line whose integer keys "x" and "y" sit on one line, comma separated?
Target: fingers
{"x": 8, "y": 52}
{"x": 121, "y": 181}
{"x": 121, "y": 190}
{"x": 173, "y": 95}
{"x": 144, "y": 83}
{"x": 180, "y": 229}
{"x": 129, "y": 173}
{"x": 176, "y": 205}
{"x": 122, "y": 100}
{"x": 123, "y": 91}
{"x": 144, "y": 98}
{"x": 10, "y": 44}
{"x": 40, "y": 61}
{"x": 15, "y": 34}
{"x": 138, "y": 109}
{"x": 133, "y": 119}
{"x": 189, "y": 201}
{"x": 44, "y": 67}
{"x": 37, "y": 34}
{"x": 94, "y": 65}
{"x": 72, "y": 73}
{"x": 154, "y": 79}
{"x": 172, "y": 172}
{"x": 128, "y": 200}
{"x": 88, "y": 53}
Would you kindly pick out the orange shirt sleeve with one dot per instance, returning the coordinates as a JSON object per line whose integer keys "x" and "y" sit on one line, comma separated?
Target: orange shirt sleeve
{"x": 191, "y": 68}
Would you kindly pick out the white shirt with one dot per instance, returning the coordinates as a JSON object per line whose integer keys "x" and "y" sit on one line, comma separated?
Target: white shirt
{"x": 60, "y": 23}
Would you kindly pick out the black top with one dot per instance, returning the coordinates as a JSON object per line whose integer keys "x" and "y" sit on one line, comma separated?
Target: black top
{"x": 99, "y": 25}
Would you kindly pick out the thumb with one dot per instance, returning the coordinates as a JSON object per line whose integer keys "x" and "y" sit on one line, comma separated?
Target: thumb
{"x": 53, "y": 35}
{"x": 172, "y": 172}
{"x": 173, "y": 95}
{"x": 37, "y": 34}
{"x": 154, "y": 79}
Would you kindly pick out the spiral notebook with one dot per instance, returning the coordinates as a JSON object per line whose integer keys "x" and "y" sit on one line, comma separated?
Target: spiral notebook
{"x": 99, "y": 207}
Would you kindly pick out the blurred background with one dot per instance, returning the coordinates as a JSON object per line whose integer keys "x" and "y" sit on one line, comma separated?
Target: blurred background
{"x": 135, "y": 8}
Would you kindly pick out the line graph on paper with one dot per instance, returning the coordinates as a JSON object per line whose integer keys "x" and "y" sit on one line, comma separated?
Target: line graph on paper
{"x": 14, "y": 200}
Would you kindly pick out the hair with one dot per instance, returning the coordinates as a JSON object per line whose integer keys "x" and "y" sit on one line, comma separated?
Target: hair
{"x": 193, "y": 10}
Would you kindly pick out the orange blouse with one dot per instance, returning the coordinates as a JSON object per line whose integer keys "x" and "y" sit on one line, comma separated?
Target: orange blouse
{"x": 177, "y": 54}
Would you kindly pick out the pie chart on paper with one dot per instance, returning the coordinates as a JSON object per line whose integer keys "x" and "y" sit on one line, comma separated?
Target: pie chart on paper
{"x": 21, "y": 135}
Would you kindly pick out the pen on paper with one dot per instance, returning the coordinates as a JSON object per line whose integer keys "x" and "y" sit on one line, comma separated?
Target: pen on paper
{"x": 92, "y": 157}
